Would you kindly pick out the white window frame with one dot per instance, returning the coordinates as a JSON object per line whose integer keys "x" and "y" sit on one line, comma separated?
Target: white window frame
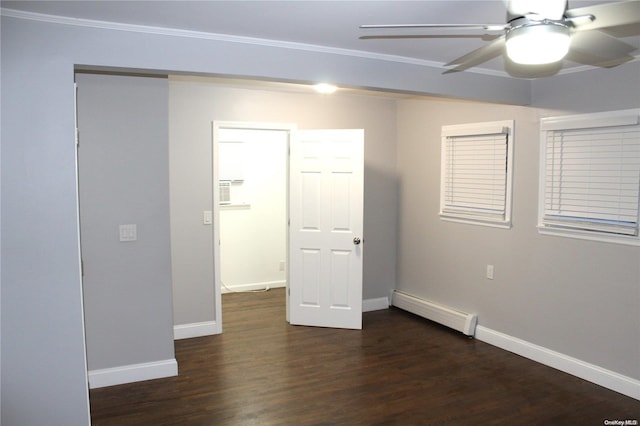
{"x": 564, "y": 227}
{"x": 475, "y": 216}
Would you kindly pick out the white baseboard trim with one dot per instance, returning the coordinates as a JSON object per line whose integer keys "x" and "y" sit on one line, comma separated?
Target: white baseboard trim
{"x": 196, "y": 329}
{"x": 132, "y": 373}
{"x": 592, "y": 373}
{"x": 376, "y": 304}
{"x": 252, "y": 286}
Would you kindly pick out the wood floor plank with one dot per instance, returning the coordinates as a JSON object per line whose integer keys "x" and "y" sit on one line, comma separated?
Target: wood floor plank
{"x": 400, "y": 369}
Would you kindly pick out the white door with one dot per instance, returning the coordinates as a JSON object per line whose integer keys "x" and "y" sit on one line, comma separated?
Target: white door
{"x": 326, "y": 223}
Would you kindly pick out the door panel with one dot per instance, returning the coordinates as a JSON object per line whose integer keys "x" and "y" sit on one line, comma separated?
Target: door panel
{"x": 326, "y": 214}
{"x": 311, "y": 277}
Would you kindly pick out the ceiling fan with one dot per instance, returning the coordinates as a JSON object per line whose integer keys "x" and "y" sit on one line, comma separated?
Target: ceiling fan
{"x": 539, "y": 34}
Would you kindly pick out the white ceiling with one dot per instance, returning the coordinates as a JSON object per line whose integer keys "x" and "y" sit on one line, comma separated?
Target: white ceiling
{"x": 330, "y": 24}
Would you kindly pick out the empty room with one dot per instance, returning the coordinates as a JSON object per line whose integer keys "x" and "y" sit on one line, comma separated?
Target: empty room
{"x": 457, "y": 239}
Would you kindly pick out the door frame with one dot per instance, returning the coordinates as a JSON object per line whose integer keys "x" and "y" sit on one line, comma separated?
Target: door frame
{"x": 216, "y": 125}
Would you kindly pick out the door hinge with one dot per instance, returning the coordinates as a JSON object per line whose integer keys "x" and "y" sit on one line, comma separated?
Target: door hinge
{"x": 77, "y": 137}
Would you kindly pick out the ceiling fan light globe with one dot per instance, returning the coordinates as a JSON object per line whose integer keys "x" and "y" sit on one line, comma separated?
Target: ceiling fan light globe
{"x": 538, "y": 44}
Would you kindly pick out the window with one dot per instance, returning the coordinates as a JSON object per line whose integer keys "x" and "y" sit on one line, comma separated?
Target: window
{"x": 590, "y": 176}
{"x": 475, "y": 184}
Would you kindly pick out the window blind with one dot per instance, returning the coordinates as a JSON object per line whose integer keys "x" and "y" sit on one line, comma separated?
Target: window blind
{"x": 592, "y": 179}
{"x": 475, "y": 175}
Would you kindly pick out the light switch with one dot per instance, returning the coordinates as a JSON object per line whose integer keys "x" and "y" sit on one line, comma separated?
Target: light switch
{"x": 207, "y": 218}
{"x": 128, "y": 232}
{"x": 490, "y": 272}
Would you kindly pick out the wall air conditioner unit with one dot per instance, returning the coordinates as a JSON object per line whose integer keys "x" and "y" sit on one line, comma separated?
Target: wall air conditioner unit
{"x": 225, "y": 192}
{"x": 457, "y": 320}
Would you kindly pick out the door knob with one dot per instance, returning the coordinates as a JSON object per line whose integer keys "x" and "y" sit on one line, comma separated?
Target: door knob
{"x": 356, "y": 240}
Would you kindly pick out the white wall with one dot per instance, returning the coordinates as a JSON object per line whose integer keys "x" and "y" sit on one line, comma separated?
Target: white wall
{"x": 195, "y": 102}
{"x": 253, "y": 235}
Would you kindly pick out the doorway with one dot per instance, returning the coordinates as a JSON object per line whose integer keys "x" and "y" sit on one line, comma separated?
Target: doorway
{"x": 250, "y": 208}
{"x": 324, "y": 212}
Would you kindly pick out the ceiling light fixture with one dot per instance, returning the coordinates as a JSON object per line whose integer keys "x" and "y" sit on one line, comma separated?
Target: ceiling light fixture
{"x": 325, "y": 89}
{"x": 535, "y": 42}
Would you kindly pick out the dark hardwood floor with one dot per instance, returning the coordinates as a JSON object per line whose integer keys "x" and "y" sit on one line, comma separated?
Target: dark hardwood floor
{"x": 399, "y": 370}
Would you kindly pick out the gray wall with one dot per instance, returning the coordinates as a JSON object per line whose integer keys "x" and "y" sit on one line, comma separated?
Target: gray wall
{"x": 196, "y": 102}
{"x": 43, "y": 350}
{"x": 576, "y": 297}
{"x": 44, "y": 379}
{"x": 123, "y": 170}
{"x": 593, "y": 91}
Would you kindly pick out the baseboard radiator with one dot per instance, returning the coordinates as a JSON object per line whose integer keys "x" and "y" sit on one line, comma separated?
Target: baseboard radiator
{"x": 460, "y": 321}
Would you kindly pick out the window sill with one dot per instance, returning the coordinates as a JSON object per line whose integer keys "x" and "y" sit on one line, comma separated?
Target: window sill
{"x": 235, "y": 206}
{"x": 590, "y": 235}
{"x": 476, "y": 221}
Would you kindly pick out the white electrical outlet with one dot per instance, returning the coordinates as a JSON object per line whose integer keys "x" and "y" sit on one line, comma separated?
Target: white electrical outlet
{"x": 282, "y": 265}
{"x": 490, "y": 272}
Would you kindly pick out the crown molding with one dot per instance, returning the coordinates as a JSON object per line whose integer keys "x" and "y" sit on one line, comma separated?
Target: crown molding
{"x": 172, "y": 32}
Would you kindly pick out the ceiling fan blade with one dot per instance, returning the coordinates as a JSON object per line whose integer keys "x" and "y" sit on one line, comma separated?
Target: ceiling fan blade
{"x": 599, "y": 44}
{"x": 586, "y": 58}
{"x": 487, "y": 27}
{"x": 607, "y": 15}
{"x": 478, "y": 56}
